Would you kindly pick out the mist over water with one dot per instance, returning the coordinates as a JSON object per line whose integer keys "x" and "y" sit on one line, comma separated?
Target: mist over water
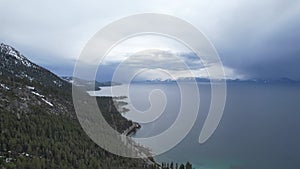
{"x": 259, "y": 129}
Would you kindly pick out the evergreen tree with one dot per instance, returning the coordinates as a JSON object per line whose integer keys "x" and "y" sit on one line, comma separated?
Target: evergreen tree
{"x": 188, "y": 165}
{"x": 171, "y": 165}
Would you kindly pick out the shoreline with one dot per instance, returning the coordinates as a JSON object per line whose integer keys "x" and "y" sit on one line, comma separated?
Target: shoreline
{"x": 122, "y": 108}
{"x": 142, "y": 150}
{"x": 132, "y": 129}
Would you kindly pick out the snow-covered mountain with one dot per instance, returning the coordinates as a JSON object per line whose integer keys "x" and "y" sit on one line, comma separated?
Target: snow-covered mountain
{"x": 207, "y": 80}
{"x": 14, "y": 64}
{"x": 25, "y": 86}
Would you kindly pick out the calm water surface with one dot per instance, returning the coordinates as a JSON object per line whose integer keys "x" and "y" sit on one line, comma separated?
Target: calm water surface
{"x": 260, "y": 128}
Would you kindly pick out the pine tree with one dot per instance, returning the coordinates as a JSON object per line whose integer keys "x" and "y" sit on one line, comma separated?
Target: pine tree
{"x": 171, "y": 165}
{"x": 188, "y": 165}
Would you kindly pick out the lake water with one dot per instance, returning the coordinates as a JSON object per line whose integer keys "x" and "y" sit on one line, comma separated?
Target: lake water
{"x": 260, "y": 128}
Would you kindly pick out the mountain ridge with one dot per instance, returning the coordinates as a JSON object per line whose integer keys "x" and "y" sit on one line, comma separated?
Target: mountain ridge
{"x": 207, "y": 80}
{"x": 38, "y": 123}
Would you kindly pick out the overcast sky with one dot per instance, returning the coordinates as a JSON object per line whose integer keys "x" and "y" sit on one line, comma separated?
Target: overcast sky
{"x": 255, "y": 39}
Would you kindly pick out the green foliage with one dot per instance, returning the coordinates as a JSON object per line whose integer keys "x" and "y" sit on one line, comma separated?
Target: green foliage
{"x": 181, "y": 166}
{"x": 171, "y": 166}
{"x": 53, "y": 141}
{"x": 188, "y": 165}
{"x": 112, "y": 115}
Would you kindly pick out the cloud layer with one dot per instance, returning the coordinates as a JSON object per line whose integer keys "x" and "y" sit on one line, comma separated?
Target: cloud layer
{"x": 255, "y": 39}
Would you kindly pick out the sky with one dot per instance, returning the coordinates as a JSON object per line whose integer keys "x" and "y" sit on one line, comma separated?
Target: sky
{"x": 254, "y": 39}
{"x": 166, "y": 59}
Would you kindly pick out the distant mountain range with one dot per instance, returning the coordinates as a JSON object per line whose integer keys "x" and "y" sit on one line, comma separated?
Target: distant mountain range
{"x": 265, "y": 81}
{"x": 87, "y": 84}
{"x": 206, "y": 80}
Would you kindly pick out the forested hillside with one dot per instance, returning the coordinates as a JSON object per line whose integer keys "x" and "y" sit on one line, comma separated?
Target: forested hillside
{"x": 38, "y": 124}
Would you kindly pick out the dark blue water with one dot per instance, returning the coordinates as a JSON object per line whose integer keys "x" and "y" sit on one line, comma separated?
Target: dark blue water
{"x": 260, "y": 128}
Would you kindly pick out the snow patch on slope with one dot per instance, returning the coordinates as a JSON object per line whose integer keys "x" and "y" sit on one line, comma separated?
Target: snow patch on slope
{"x": 30, "y": 87}
{"x": 49, "y": 103}
{"x": 39, "y": 95}
{"x": 4, "y": 86}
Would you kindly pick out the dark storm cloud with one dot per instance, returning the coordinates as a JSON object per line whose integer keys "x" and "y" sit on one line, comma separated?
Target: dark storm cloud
{"x": 273, "y": 54}
{"x": 261, "y": 39}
